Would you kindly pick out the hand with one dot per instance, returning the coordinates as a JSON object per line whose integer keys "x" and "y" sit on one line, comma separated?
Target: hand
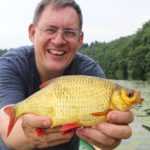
{"x": 108, "y": 135}
{"x": 51, "y": 137}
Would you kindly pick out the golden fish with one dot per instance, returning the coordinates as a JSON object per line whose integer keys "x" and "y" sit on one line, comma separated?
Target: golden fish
{"x": 73, "y": 101}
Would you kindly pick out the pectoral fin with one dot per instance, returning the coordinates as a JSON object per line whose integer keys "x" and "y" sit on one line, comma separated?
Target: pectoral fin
{"x": 102, "y": 113}
{"x": 44, "y": 84}
{"x": 69, "y": 127}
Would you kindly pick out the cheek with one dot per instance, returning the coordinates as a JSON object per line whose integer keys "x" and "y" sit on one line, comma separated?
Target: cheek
{"x": 75, "y": 45}
{"x": 39, "y": 39}
{"x": 73, "y": 50}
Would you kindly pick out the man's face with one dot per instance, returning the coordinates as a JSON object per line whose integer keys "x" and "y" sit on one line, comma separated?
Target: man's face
{"x": 53, "y": 53}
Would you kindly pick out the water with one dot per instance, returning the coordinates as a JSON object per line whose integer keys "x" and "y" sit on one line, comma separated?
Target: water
{"x": 140, "y": 139}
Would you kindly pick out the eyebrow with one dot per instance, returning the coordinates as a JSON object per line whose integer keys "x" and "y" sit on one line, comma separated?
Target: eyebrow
{"x": 55, "y": 26}
{"x": 52, "y": 26}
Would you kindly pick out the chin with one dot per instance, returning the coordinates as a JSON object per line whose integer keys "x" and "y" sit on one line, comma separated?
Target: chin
{"x": 56, "y": 68}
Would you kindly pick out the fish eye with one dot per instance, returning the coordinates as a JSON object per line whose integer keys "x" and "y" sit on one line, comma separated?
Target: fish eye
{"x": 130, "y": 94}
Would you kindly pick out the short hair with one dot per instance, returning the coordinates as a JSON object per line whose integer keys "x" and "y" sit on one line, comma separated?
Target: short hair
{"x": 57, "y": 4}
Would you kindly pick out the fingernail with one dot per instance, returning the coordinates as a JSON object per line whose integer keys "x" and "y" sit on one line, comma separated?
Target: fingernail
{"x": 45, "y": 123}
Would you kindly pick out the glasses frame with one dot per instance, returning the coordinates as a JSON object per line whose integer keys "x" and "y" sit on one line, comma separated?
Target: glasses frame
{"x": 68, "y": 34}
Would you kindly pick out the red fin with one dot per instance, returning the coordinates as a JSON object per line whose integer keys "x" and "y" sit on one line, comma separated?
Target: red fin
{"x": 44, "y": 84}
{"x": 39, "y": 132}
{"x": 99, "y": 113}
{"x": 69, "y": 127}
{"x": 10, "y": 112}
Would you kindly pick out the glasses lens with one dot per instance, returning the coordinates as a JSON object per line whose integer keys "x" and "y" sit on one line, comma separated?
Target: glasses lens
{"x": 70, "y": 33}
{"x": 67, "y": 34}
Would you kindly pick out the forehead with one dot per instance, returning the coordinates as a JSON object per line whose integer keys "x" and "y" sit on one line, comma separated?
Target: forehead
{"x": 63, "y": 17}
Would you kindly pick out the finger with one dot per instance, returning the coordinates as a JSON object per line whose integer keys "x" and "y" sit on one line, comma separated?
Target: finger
{"x": 34, "y": 121}
{"x": 49, "y": 139}
{"x": 52, "y": 130}
{"x": 95, "y": 137}
{"x": 120, "y": 117}
{"x": 50, "y": 144}
{"x": 57, "y": 136}
{"x": 106, "y": 147}
{"x": 115, "y": 131}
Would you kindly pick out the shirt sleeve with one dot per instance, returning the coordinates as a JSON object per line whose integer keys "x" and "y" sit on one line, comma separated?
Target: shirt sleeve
{"x": 85, "y": 65}
{"x": 11, "y": 87}
{"x": 92, "y": 68}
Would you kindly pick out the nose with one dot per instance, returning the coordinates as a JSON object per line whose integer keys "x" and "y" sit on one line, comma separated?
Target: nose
{"x": 58, "y": 39}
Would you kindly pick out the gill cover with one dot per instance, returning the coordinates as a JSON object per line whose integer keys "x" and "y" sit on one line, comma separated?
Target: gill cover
{"x": 123, "y": 99}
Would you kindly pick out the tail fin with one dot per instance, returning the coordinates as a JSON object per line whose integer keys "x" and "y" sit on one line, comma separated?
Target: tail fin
{"x": 10, "y": 112}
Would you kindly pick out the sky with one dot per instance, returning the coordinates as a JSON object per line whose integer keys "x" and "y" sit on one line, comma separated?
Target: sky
{"x": 103, "y": 20}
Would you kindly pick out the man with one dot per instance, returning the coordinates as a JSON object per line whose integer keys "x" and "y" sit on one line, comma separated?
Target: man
{"x": 56, "y": 33}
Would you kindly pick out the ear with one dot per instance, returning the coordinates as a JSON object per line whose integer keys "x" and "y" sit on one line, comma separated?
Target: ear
{"x": 31, "y": 31}
{"x": 81, "y": 39}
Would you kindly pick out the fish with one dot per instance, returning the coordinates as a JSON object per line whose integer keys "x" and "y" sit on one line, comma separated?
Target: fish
{"x": 74, "y": 101}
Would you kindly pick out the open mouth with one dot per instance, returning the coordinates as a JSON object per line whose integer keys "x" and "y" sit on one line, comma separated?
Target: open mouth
{"x": 56, "y": 52}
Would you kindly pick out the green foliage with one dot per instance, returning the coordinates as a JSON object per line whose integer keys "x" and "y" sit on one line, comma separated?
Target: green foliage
{"x": 3, "y": 51}
{"x": 124, "y": 58}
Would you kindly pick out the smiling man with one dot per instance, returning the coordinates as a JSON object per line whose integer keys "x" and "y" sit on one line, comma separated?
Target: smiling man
{"x": 56, "y": 34}
{"x": 56, "y": 37}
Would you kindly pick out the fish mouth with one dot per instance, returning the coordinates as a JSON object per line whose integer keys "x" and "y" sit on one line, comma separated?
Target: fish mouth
{"x": 138, "y": 98}
{"x": 57, "y": 52}
{"x": 139, "y": 101}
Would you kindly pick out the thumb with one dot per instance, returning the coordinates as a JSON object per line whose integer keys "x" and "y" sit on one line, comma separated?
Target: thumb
{"x": 35, "y": 121}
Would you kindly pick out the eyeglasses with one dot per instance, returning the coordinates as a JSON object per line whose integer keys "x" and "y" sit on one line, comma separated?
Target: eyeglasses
{"x": 67, "y": 34}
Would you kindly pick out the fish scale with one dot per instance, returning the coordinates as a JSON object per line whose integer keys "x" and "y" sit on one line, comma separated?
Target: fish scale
{"x": 66, "y": 90}
{"x": 80, "y": 99}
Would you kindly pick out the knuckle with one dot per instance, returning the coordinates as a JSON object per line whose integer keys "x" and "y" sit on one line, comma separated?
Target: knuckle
{"x": 47, "y": 138}
{"x": 108, "y": 141}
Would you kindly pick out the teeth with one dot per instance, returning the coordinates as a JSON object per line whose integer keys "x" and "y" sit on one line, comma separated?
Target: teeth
{"x": 55, "y": 52}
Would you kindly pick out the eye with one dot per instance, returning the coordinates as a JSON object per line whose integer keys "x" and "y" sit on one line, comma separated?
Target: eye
{"x": 70, "y": 33}
{"x": 51, "y": 30}
{"x": 130, "y": 93}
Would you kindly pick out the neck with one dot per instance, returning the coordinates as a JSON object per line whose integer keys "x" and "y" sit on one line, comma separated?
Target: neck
{"x": 46, "y": 75}
{"x": 50, "y": 75}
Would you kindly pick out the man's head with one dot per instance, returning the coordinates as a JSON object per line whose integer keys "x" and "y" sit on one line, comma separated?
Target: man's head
{"x": 56, "y": 34}
{"x": 57, "y": 4}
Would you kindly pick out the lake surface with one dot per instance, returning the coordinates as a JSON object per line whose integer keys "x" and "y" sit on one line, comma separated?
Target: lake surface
{"x": 140, "y": 139}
